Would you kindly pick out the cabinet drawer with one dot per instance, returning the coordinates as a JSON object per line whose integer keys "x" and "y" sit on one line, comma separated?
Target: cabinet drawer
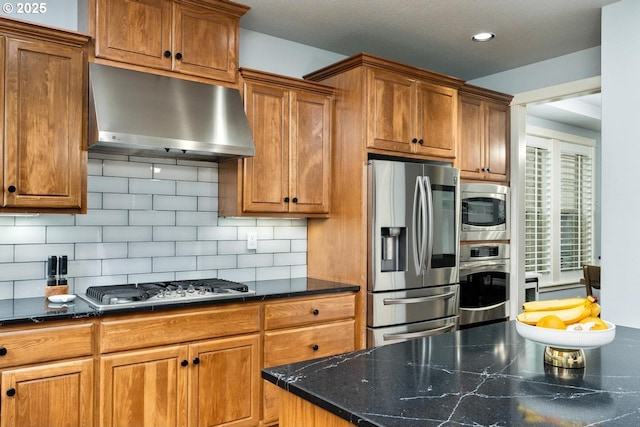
{"x": 308, "y": 311}
{"x": 145, "y": 330}
{"x": 45, "y": 344}
{"x": 294, "y": 345}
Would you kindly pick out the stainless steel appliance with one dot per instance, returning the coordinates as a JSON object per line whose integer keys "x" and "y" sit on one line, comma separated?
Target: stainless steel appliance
{"x": 414, "y": 217}
{"x": 484, "y": 283}
{"x": 160, "y": 293}
{"x": 485, "y": 212}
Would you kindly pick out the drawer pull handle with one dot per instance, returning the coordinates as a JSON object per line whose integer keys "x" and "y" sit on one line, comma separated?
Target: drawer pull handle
{"x": 315, "y": 311}
{"x": 3, "y": 351}
{"x": 184, "y": 363}
{"x": 315, "y": 347}
{"x": 196, "y": 361}
{"x": 417, "y": 300}
{"x": 11, "y": 392}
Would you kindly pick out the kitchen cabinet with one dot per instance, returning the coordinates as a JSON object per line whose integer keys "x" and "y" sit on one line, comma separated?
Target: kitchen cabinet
{"x": 196, "y": 367}
{"x": 407, "y": 115}
{"x": 44, "y": 160}
{"x": 194, "y": 38}
{"x": 290, "y": 173}
{"x": 484, "y": 134}
{"x": 304, "y": 329}
{"x": 47, "y": 376}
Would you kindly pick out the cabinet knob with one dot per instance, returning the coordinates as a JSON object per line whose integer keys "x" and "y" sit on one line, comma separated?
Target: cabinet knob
{"x": 295, "y": 200}
{"x": 315, "y": 311}
{"x": 286, "y": 200}
{"x": 167, "y": 54}
{"x": 11, "y": 392}
{"x": 178, "y": 56}
{"x": 184, "y": 363}
{"x": 11, "y": 188}
{"x": 315, "y": 347}
{"x": 488, "y": 169}
{"x": 484, "y": 169}
{"x": 3, "y": 351}
{"x": 421, "y": 142}
{"x": 196, "y": 361}
{"x": 414, "y": 140}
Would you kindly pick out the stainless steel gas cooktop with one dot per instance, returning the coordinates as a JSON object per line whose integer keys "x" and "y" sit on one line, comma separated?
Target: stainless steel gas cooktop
{"x": 158, "y": 293}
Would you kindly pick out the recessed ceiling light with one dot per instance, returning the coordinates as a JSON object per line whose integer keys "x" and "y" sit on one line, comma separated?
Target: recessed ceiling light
{"x": 483, "y": 37}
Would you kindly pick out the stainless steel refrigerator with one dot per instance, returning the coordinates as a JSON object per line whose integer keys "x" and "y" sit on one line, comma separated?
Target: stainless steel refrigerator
{"x": 414, "y": 250}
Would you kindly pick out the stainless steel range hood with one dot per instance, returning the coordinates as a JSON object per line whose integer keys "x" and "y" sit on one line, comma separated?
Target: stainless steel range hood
{"x": 143, "y": 114}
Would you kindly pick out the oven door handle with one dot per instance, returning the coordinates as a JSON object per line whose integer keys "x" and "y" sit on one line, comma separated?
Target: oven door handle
{"x": 483, "y": 266}
{"x": 420, "y": 334}
{"x": 488, "y": 307}
{"x": 390, "y": 301}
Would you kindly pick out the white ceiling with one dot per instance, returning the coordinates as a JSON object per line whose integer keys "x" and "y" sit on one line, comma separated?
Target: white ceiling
{"x": 436, "y": 34}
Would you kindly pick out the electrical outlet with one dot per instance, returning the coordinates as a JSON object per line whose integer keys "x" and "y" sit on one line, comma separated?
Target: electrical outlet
{"x": 252, "y": 240}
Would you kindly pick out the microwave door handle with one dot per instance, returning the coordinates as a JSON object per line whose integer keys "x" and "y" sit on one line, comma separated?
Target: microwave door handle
{"x": 418, "y": 226}
{"x": 420, "y": 334}
{"x": 429, "y": 220}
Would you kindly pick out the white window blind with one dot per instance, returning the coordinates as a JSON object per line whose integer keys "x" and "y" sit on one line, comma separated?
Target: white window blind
{"x": 559, "y": 185}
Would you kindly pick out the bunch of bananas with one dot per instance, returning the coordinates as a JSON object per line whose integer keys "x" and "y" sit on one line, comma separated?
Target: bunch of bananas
{"x": 567, "y": 310}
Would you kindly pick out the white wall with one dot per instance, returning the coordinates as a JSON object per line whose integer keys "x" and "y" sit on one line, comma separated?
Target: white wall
{"x": 620, "y": 154}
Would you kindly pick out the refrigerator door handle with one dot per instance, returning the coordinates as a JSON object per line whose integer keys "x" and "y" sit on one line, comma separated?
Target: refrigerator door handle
{"x": 429, "y": 218}
{"x": 419, "y": 231}
{"x": 389, "y": 301}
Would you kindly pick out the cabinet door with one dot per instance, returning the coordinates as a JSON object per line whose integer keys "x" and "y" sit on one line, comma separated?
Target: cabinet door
{"x": 391, "y": 114}
{"x": 224, "y": 386}
{"x": 310, "y": 153}
{"x": 134, "y": 31}
{"x": 471, "y": 138}
{"x": 266, "y": 174}
{"x": 53, "y": 395}
{"x": 497, "y": 141}
{"x": 44, "y": 139}
{"x": 144, "y": 388}
{"x": 204, "y": 43}
{"x": 437, "y": 120}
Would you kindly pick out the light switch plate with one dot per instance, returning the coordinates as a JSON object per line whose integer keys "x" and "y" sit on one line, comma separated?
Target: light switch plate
{"x": 252, "y": 240}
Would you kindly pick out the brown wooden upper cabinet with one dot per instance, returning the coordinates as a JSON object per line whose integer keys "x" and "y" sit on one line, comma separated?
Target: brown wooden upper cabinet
{"x": 289, "y": 175}
{"x": 44, "y": 80}
{"x": 484, "y": 134}
{"x": 196, "y": 39}
{"x": 410, "y": 116}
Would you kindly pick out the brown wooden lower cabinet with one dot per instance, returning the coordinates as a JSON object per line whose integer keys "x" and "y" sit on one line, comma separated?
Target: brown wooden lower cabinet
{"x": 296, "y": 412}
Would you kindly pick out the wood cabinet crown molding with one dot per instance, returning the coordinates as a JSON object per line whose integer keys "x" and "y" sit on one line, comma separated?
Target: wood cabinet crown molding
{"x": 14, "y": 27}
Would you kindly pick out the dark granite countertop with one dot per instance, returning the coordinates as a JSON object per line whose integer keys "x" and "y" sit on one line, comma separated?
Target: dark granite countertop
{"x": 483, "y": 376}
{"x": 35, "y": 310}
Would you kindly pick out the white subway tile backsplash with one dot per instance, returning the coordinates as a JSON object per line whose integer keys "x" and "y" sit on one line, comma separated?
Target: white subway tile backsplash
{"x": 100, "y": 250}
{"x": 152, "y": 186}
{"x": 148, "y": 219}
{"x": 22, "y": 235}
{"x": 128, "y": 234}
{"x": 27, "y": 253}
{"x": 128, "y": 201}
{"x": 174, "y": 234}
{"x": 107, "y": 184}
{"x": 175, "y": 203}
{"x": 175, "y": 172}
{"x": 151, "y": 249}
{"x": 152, "y": 218}
{"x": 127, "y": 169}
{"x": 196, "y": 248}
{"x": 164, "y": 264}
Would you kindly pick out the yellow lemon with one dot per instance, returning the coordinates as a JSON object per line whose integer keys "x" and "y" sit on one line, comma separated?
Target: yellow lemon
{"x": 551, "y": 321}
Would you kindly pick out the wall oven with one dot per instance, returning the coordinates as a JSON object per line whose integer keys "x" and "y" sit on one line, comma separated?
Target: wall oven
{"x": 484, "y": 283}
{"x": 414, "y": 219}
{"x": 485, "y": 212}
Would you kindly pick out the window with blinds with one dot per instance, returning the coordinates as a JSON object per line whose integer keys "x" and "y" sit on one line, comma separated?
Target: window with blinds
{"x": 559, "y": 185}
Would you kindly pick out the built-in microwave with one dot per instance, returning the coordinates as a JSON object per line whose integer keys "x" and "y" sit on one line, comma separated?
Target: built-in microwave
{"x": 485, "y": 212}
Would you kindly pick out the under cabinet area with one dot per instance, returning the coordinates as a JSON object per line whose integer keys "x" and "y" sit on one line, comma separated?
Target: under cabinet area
{"x": 484, "y": 134}
{"x": 195, "y": 39}
{"x": 304, "y": 329}
{"x": 290, "y": 173}
{"x": 43, "y": 165}
{"x": 46, "y": 375}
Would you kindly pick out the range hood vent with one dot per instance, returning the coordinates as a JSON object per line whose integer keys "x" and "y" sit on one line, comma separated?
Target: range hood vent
{"x": 143, "y": 114}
